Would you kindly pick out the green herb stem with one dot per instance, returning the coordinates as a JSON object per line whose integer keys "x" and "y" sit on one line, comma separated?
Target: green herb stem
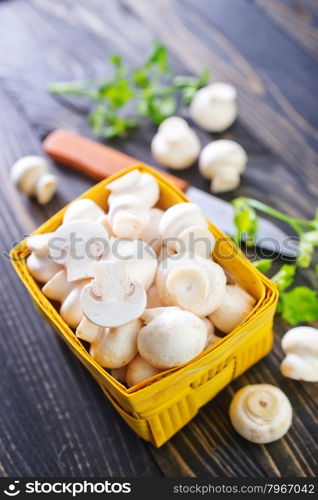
{"x": 295, "y": 223}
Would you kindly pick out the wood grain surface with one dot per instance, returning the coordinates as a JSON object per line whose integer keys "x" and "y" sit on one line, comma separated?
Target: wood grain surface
{"x": 54, "y": 420}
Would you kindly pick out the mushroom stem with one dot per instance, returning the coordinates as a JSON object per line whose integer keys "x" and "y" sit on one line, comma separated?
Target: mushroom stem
{"x": 226, "y": 180}
{"x": 45, "y": 188}
{"x": 112, "y": 299}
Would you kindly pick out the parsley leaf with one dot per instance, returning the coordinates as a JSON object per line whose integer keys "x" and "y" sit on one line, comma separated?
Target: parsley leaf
{"x": 284, "y": 277}
{"x": 308, "y": 241}
{"x": 246, "y": 221}
{"x": 151, "y": 87}
{"x": 263, "y": 265}
{"x": 299, "y": 305}
{"x": 188, "y": 85}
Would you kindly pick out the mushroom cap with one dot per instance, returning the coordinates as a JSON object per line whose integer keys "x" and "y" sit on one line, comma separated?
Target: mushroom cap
{"x": 165, "y": 252}
{"x": 26, "y": 172}
{"x": 87, "y": 331}
{"x": 128, "y": 216}
{"x": 261, "y": 413}
{"x": 211, "y": 337}
{"x": 116, "y": 347}
{"x": 195, "y": 239}
{"x": 172, "y": 338}
{"x": 84, "y": 209}
{"x": 180, "y": 217}
{"x": 41, "y": 268}
{"x": 70, "y": 309}
{"x": 139, "y": 370}
{"x": 141, "y": 260}
{"x": 39, "y": 243}
{"x": 236, "y": 305}
{"x": 112, "y": 299}
{"x": 175, "y": 145}
{"x": 124, "y": 182}
{"x": 301, "y": 347}
{"x": 143, "y": 186}
{"x": 191, "y": 282}
{"x": 79, "y": 244}
{"x": 218, "y": 155}
{"x": 214, "y": 107}
{"x": 153, "y": 299}
{"x": 151, "y": 234}
{"x": 58, "y": 287}
{"x": 104, "y": 221}
{"x": 152, "y": 312}
{"x": 173, "y": 123}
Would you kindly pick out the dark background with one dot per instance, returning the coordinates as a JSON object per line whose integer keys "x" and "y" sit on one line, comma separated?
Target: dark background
{"x": 54, "y": 420}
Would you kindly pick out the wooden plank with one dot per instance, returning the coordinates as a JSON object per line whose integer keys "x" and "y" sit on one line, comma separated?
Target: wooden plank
{"x": 299, "y": 20}
{"x": 56, "y": 428}
{"x": 55, "y": 421}
{"x": 270, "y": 122}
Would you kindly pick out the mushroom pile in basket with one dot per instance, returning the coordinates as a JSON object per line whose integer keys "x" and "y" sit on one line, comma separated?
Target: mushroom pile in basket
{"x": 137, "y": 283}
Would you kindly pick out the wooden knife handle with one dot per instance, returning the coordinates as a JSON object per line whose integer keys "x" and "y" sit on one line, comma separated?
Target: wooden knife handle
{"x": 91, "y": 157}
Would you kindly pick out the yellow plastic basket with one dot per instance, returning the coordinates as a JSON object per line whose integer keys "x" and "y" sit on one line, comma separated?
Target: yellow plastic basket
{"x": 159, "y": 407}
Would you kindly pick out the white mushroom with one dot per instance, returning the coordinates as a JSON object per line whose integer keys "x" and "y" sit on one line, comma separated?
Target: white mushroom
{"x": 211, "y": 337}
{"x": 39, "y": 243}
{"x": 87, "y": 330}
{"x": 171, "y": 338}
{"x": 68, "y": 294}
{"x": 84, "y": 209}
{"x": 261, "y": 413}
{"x": 180, "y": 217}
{"x": 175, "y": 145}
{"x": 31, "y": 175}
{"x": 151, "y": 313}
{"x": 104, "y": 221}
{"x": 142, "y": 186}
{"x": 110, "y": 347}
{"x": 235, "y": 306}
{"x": 116, "y": 347}
{"x": 128, "y": 216}
{"x": 41, "y": 268}
{"x": 139, "y": 370}
{"x": 70, "y": 309}
{"x": 191, "y": 282}
{"x": 153, "y": 299}
{"x": 40, "y": 265}
{"x": 165, "y": 252}
{"x": 222, "y": 162}
{"x": 195, "y": 240}
{"x": 301, "y": 347}
{"x": 58, "y": 287}
{"x": 151, "y": 234}
{"x": 214, "y": 107}
{"x": 79, "y": 244}
{"x": 141, "y": 260}
{"x": 112, "y": 299}
{"x": 184, "y": 228}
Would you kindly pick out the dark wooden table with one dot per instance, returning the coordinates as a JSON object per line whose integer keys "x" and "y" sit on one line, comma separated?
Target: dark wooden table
{"x": 54, "y": 420}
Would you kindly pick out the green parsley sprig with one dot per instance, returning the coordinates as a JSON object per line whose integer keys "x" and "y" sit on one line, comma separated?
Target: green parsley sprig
{"x": 246, "y": 222}
{"x": 298, "y": 304}
{"x": 152, "y": 89}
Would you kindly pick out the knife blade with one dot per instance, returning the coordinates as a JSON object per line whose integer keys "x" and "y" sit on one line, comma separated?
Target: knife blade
{"x": 99, "y": 161}
{"x": 269, "y": 237}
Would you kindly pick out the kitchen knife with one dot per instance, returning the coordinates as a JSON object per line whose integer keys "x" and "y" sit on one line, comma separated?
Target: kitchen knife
{"x": 99, "y": 161}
